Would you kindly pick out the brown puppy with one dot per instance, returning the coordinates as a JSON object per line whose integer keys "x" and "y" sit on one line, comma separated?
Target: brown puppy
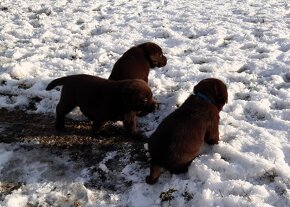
{"x": 180, "y": 136}
{"x": 135, "y": 63}
{"x": 101, "y": 100}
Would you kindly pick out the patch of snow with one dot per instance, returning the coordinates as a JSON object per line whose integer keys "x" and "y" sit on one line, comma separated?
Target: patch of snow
{"x": 244, "y": 43}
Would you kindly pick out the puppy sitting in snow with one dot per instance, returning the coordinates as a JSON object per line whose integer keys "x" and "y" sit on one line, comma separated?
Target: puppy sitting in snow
{"x": 101, "y": 100}
{"x": 180, "y": 136}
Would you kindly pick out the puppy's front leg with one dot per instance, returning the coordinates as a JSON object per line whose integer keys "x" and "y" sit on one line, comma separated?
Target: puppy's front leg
{"x": 212, "y": 133}
{"x": 130, "y": 123}
{"x": 154, "y": 174}
{"x": 59, "y": 122}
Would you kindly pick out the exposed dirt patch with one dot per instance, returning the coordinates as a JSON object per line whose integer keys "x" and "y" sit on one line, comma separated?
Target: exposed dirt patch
{"x": 67, "y": 154}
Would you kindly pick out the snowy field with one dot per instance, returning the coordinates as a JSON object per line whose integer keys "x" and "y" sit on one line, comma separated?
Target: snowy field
{"x": 245, "y": 43}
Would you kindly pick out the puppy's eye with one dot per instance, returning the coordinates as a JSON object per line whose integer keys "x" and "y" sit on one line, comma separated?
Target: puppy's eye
{"x": 145, "y": 100}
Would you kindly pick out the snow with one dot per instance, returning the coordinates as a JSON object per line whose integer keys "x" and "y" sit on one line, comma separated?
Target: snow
{"x": 4, "y": 156}
{"x": 16, "y": 200}
{"x": 245, "y": 43}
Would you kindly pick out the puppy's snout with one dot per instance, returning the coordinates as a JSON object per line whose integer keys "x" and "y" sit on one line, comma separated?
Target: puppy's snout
{"x": 157, "y": 105}
{"x": 163, "y": 61}
{"x": 154, "y": 104}
{"x": 151, "y": 106}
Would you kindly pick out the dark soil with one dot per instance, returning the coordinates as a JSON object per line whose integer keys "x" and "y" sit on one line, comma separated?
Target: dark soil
{"x": 35, "y": 133}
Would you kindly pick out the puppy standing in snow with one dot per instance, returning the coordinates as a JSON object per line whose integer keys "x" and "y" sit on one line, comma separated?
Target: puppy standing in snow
{"x": 180, "y": 136}
{"x": 135, "y": 63}
{"x": 101, "y": 100}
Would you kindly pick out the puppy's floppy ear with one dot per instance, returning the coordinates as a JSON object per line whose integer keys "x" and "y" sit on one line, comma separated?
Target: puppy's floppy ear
{"x": 202, "y": 87}
{"x": 149, "y": 47}
{"x": 215, "y": 89}
{"x": 153, "y": 53}
{"x": 128, "y": 92}
{"x": 221, "y": 93}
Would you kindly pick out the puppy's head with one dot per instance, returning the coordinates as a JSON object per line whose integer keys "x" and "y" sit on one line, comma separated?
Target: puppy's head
{"x": 154, "y": 54}
{"x": 138, "y": 97}
{"x": 215, "y": 90}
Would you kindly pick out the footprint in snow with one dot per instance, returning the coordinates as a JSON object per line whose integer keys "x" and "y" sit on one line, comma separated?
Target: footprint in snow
{"x": 287, "y": 77}
{"x": 202, "y": 60}
{"x": 261, "y": 53}
{"x": 285, "y": 46}
{"x": 256, "y": 113}
{"x": 243, "y": 96}
{"x": 249, "y": 46}
{"x": 206, "y": 69}
{"x": 286, "y": 150}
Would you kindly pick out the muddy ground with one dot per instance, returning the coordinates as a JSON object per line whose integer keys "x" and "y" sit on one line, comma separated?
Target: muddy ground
{"x": 34, "y": 134}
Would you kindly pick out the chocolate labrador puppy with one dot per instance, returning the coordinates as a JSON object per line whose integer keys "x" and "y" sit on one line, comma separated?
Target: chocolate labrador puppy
{"x": 101, "y": 100}
{"x": 135, "y": 63}
{"x": 180, "y": 136}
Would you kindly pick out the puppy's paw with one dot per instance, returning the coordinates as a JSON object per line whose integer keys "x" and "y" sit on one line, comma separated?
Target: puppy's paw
{"x": 98, "y": 128}
{"x": 136, "y": 135}
{"x": 60, "y": 128}
{"x": 141, "y": 113}
{"x": 150, "y": 180}
{"x": 211, "y": 141}
{"x": 59, "y": 131}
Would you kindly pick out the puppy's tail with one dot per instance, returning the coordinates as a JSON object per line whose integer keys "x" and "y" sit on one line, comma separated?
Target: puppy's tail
{"x": 56, "y": 82}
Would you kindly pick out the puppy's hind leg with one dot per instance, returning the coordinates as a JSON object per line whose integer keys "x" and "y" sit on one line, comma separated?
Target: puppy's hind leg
{"x": 61, "y": 111}
{"x": 98, "y": 126}
{"x": 154, "y": 174}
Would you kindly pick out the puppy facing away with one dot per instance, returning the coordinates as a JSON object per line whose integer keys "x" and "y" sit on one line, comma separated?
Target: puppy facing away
{"x": 136, "y": 62}
{"x": 180, "y": 136}
{"x": 102, "y": 100}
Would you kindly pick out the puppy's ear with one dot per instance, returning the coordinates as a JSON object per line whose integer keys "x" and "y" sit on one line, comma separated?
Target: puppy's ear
{"x": 202, "y": 87}
{"x": 221, "y": 93}
{"x": 149, "y": 47}
{"x": 128, "y": 92}
{"x": 153, "y": 53}
{"x": 133, "y": 92}
{"x": 215, "y": 89}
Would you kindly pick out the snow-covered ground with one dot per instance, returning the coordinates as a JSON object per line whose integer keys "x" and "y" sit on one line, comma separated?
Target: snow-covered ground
{"x": 245, "y": 43}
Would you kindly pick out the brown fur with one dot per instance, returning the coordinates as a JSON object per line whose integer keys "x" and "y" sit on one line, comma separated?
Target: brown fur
{"x": 135, "y": 63}
{"x": 101, "y": 100}
{"x": 180, "y": 136}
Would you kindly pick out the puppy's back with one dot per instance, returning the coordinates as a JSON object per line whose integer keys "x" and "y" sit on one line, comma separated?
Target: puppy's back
{"x": 178, "y": 138}
{"x": 74, "y": 80}
{"x": 131, "y": 65}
